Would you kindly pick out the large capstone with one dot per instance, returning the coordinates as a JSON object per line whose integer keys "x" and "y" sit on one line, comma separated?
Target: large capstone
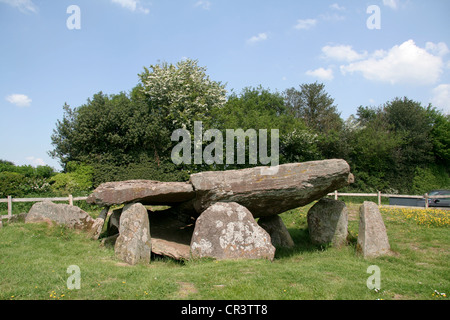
{"x": 267, "y": 192}
{"x": 147, "y": 192}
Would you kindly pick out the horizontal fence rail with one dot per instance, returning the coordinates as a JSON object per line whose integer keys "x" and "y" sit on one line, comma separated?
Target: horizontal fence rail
{"x": 10, "y": 201}
{"x": 336, "y": 194}
{"x": 380, "y": 195}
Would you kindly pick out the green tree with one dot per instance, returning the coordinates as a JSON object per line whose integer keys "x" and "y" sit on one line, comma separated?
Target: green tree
{"x": 258, "y": 108}
{"x": 180, "y": 94}
{"x": 440, "y": 136}
{"x": 315, "y": 106}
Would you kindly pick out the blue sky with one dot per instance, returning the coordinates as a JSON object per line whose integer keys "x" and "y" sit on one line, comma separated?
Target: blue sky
{"x": 276, "y": 44}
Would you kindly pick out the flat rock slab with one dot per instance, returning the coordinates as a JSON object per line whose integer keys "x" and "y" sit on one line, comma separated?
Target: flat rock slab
{"x": 147, "y": 192}
{"x": 372, "y": 236}
{"x": 291, "y": 186}
{"x": 170, "y": 237}
{"x": 229, "y": 231}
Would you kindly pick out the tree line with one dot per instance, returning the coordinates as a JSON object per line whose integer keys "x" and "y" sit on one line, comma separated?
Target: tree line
{"x": 400, "y": 146}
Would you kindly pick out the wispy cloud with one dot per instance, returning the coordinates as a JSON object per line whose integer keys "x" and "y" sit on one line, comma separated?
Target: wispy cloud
{"x": 342, "y": 53}
{"x": 25, "y": 6}
{"x": 337, "y": 7}
{"x": 441, "y": 97}
{"x": 393, "y": 4}
{"x": 204, "y": 4}
{"x": 35, "y": 161}
{"x": 260, "y": 37}
{"x": 20, "y": 100}
{"x": 132, "y": 5}
{"x": 304, "y": 24}
{"x": 321, "y": 73}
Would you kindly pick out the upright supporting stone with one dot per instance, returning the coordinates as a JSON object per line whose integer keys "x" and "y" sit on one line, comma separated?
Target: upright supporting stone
{"x": 278, "y": 232}
{"x": 372, "y": 237}
{"x": 134, "y": 243}
{"x": 328, "y": 222}
{"x": 229, "y": 231}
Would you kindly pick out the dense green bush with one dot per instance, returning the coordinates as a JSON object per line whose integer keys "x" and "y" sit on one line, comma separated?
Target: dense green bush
{"x": 79, "y": 177}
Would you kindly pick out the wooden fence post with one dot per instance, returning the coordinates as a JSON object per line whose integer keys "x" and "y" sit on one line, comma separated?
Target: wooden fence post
{"x": 70, "y": 200}
{"x": 379, "y": 198}
{"x": 335, "y": 195}
{"x": 426, "y": 200}
{"x": 9, "y": 207}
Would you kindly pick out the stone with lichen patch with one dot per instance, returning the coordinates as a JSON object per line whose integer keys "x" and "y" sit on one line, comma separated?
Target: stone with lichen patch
{"x": 229, "y": 231}
{"x": 134, "y": 242}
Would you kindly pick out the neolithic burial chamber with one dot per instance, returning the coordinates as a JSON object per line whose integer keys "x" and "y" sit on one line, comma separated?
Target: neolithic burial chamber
{"x": 213, "y": 215}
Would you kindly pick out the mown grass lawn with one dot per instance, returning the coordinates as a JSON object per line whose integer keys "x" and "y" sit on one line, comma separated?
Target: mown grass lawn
{"x": 34, "y": 259}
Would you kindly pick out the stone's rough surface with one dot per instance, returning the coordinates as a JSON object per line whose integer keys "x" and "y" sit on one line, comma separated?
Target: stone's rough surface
{"x": 328, "y": 222}
{"x": 372, "y": 237}
{"x": 170, "y": 236}
{"x": 291, "y": 186}
{"x": 113, "y": 224}
{"x": 134, "y": 243}
{"x": 143, "y": 191}
{"x": 229, "y": 231}
{"x": 63, "y": 214}
{"x": 278, "y": 232}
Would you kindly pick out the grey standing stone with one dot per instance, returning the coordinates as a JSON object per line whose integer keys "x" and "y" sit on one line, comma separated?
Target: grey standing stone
{"x": 278, "y": 232}
{"x": 372, "y": 237}
{"x": 328, "y": 222}
{"x": 229, "y": 231}
{"x": 134, "y": 242}
{"x": 63, "y": 214}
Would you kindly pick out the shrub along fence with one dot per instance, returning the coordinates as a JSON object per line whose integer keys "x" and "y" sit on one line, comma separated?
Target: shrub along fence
{"x": 336, "y": 195}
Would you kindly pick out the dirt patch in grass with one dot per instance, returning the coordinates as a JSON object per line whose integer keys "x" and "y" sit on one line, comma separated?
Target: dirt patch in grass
{"x": 186, "y": 289}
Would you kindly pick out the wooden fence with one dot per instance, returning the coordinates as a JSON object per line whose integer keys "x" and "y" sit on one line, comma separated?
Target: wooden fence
{"x": 336, "y": 194}
{"x": 380, "y": 195}
{"x": 10, "y": 201}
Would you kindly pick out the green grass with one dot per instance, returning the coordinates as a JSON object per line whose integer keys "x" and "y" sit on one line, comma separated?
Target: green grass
{"x": 34, "y": 259}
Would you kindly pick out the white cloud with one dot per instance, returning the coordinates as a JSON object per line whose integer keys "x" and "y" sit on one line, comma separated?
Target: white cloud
{"x": 393, "y": 4}
{"x": 25, "y": 6}
{"x": 35, "y": 161}
{"x": 342, "y": 53}
{"x": 204, "y": 4}
{"x": 260, "y": 37}
{"x": 337, "y": 7}
{"x": 20, "y": 100}
{"x": 441, "y": 97}
{"x": 405, "y": 63}
{"x": 132, "y": 5}
{"x": 305, "y": 24}
{"x": 439, "y": 49}
{"x": 321, "y": 73}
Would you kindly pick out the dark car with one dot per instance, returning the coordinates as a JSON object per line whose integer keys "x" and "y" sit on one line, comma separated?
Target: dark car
{"x": 443, "y": 202}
